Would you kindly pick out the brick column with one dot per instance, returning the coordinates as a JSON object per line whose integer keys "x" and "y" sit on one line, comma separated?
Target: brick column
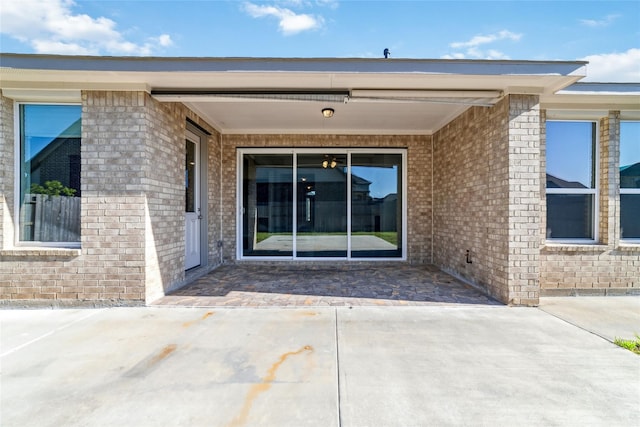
{"x": 609, "y": 196}
{"x": 6, "y": 171}
{"x": 113, "y": 200}
{"x": 524, "y": 216}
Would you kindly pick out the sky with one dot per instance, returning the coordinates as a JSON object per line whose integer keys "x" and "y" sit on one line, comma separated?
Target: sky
{"x": 605, "y": 33}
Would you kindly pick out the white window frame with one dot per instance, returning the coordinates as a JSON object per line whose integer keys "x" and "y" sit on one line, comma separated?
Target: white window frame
{"x": 17, "y": 176}
{"x": 628, "y": 190}
{"x": 240, "y": 152}
{"x": 593, "y": 191}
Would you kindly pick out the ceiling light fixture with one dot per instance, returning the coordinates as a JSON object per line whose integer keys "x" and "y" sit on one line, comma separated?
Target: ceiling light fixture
{"x": 327, "y": 112}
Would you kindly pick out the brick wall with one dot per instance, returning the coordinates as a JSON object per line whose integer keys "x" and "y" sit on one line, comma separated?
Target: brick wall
{"x": 486, "y": 198}
{"x": 132, "y": 229}
{"x": 6, "y": 170}
{"x": 609, "y": 267}
{"x": 524, "y": 200}
{"x": 418, "y": 177}
{"x": 470, "y": 197}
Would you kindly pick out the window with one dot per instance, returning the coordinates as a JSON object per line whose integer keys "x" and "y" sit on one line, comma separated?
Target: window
{"x": 630, "y": 180}
{"x": 571, "y": 180}
{"x": 308, "y": 203}
{"x": 49, "y": 174}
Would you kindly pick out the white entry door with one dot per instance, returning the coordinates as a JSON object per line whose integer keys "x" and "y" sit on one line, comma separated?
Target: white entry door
{"x": 192, "y": 197}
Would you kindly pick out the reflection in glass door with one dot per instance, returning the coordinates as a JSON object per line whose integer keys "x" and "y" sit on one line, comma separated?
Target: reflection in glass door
{"x": 321, "y": 182}
{"x": 376, "y": 205}
{"x": 304, "y": 203}
{"x": 267, "y": 205}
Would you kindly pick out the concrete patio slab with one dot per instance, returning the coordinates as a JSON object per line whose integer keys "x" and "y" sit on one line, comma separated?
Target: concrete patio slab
{"x": 172, "y": 367}
{"x": 481, "y": 365}
{"x": 610, "y": 317}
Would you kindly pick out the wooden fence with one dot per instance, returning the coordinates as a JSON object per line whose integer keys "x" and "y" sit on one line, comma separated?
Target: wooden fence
{"x": 50, "y": 218}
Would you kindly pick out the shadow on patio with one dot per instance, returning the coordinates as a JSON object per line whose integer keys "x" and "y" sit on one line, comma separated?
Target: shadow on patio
{"x": 269, "y": 285}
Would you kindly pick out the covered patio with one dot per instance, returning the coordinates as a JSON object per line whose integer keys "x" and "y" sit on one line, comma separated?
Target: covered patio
{"x": 286, "y": 285}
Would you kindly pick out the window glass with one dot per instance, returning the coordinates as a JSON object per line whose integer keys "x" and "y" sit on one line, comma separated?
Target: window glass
{"x": 50, "y": 173}
{"x": 297, "y": 204}
{"x": 570, "y": 216}
{"x": 630, "y": 180}
{"x": 321, "y": 205}
{"x": 190, "y": 176}
{"x": 376, "y": 205}
{"x": 571, "y": 180}
{"x": 630, "y": 216}
{"x": 570, "y": 154}
{"x": 267, "y": 205}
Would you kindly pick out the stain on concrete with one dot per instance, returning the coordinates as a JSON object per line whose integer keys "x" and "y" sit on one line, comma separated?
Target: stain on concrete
{"x": 261, "y": 387}
{"x": 307, "y": 313}
{"x": 146, "y": 365}
{"x": 204, "y": 316}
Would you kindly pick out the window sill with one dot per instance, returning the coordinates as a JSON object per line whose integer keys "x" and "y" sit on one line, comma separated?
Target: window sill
{"x": 628, "y": 247}
{"x": 574, "y": 247}
{"x": 41, "y": 252}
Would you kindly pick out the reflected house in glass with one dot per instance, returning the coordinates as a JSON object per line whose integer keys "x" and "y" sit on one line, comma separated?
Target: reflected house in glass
{"x": 630, "y": 176}
{"x": 59, "y": 160}
{"x": 503, "y": 173}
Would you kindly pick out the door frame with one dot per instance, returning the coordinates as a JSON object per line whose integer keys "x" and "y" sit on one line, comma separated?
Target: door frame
{"x": 201, "y": 193}
{"x": 240, "y": 152}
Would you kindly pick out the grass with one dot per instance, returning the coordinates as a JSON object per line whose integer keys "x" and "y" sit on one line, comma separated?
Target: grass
{"x": 389, "y": 236}
{"x": 632, "y": 345}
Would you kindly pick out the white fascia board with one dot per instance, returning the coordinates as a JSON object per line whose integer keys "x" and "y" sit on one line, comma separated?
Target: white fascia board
{"x": 323, "y": 65}
{"x": 35, "y": 85}
{"x": 43, "y": 95}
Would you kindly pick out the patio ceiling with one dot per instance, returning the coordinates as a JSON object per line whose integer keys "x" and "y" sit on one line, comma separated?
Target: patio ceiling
{"x": 267, "y": 95}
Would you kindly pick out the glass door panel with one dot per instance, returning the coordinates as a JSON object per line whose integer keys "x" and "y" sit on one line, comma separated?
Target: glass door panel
{"x": 376, "y": 205}
{"x": 267, "y": 205}
{"x": 321, "y": 205}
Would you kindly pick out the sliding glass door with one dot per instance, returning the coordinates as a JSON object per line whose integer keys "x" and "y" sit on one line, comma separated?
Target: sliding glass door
{"x": 267, "y": 205}
{"x": 376, "y": 205}
{"x": 314, "y": 203}
{"x": 321, "y": 205}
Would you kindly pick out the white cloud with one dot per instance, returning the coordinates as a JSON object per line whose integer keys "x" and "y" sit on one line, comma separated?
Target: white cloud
{"x": 484, "y": 39}
{"x": 472, "y": 47}
{"x": 604, "y": 22}
{"x": 289, "y": 21}
{"x": 332, "y": 4}
{"x": 614, "y": 67}
{"x": 163, "y": 40}
{"x": 51, "y": 26}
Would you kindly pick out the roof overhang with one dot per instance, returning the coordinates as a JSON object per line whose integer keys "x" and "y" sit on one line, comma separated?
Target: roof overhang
{"x": 592, "y": 100}
{"x": 276, "y": 95}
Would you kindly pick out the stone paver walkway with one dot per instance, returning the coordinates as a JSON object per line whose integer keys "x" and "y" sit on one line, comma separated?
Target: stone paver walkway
{"x": 267, "y": 285}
